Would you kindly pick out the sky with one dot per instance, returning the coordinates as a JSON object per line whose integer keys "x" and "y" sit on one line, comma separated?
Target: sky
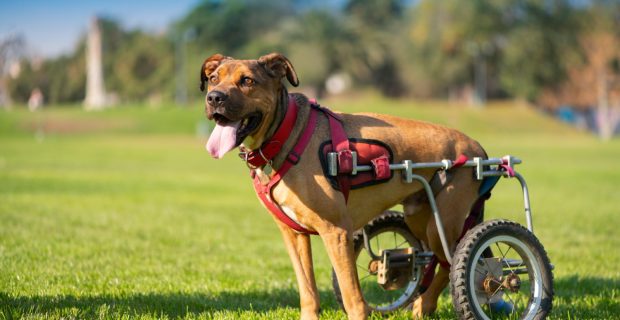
{"x": 53, "y": 27}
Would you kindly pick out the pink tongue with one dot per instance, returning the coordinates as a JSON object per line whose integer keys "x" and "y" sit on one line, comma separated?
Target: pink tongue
{"x": 223, "y": 139}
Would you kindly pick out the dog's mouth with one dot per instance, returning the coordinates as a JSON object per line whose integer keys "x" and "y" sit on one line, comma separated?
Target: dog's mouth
{"x": 247, "y": 125}
{"x": 229, "y": 133}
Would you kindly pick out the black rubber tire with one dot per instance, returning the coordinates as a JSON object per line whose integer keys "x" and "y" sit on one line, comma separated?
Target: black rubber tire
{"x": 388, "y": 221}
{"x": 463, "y": 266}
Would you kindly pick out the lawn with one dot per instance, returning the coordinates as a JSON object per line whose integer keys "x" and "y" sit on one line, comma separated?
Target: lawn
{"x": 123, "y": 214}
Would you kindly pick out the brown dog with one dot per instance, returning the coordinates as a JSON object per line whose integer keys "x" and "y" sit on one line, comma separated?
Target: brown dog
{"x": 247, "y": 100}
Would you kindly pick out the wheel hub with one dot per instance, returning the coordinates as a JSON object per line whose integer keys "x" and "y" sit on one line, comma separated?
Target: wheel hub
{"x": 492, "y": 285}
{"x": 373, "y": 267}
{"x": 488, "y": 276}
{"x": 512, "y": 282}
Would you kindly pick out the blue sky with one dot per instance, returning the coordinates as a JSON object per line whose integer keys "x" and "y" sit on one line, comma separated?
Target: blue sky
{"x": 52, "y": 27}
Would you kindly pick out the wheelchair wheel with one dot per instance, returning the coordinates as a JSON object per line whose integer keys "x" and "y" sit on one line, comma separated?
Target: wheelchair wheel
{"x": 501, "y": 271}
{"x": 385, "y": 232}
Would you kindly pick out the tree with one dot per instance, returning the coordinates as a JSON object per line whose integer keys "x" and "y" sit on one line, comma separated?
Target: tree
{"x": 11, "y": 49}
{"x": 593, "y": 82}
{"x": 522, "y": 44}
{"x": 142, "y": 67}
{"x": 317, "y": 47}
{"x": 370, "y": 52}
{"x": 542, "y": 41}
{"x": 229, "y": 26}
{"x": 136, "y": 66}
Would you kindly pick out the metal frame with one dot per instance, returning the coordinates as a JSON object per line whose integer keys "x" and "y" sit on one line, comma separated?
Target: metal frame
{"x": 477, "y": 163}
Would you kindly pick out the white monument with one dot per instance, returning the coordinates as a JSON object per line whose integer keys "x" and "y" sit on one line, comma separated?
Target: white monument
{"x": 95, "y": 90}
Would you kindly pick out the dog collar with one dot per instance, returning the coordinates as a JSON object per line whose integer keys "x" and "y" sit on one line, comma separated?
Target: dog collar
{"x": 270, "y": 148}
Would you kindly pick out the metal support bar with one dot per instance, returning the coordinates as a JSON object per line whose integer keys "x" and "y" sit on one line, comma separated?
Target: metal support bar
{"x": 479, "y": 168}
{"x": 526, "y": 202}
{"x": 438, "y": 223}
{"x": 407, "y": 165}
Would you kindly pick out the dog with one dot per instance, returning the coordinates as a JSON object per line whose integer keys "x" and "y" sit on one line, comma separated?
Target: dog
{"x": 248, "y": 101}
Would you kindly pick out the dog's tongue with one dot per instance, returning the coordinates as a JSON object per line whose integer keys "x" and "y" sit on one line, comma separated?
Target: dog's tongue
{"x": 223, "y": 139}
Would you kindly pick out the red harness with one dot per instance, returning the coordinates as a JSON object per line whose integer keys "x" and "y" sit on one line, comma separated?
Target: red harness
{"x": 377, "y": 155}
{"x": 271, "y": 148}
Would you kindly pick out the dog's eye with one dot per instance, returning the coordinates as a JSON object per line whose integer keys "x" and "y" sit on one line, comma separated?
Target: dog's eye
{"x": 247, "y": 81}
{"x": 213, "y": 78}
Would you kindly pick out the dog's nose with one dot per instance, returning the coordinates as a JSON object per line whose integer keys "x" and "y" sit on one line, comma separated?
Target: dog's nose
{"x": 216, "y": 98}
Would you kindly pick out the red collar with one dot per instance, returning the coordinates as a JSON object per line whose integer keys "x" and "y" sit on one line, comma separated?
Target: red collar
{"x": 270, "y": 148}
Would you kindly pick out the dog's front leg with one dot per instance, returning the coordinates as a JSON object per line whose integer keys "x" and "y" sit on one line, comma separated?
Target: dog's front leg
{"x": 300, "y": 251}
{"x": 339, "y": 245}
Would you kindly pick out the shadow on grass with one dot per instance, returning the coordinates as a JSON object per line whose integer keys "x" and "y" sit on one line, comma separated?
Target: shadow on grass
{"x": 586, "y": 297}
{"x": 575, "y": 296}
{"x": 172, "y": 305}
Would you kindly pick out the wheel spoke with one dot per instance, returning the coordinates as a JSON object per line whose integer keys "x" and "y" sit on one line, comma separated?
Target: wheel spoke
{"x": 500, "y": 250}
{"x": 520, "y": 264}
{"x": 518, "y": 280}
{"x": 363, "y": 271}
{"x": 512, "y": 271}
{"x": 486, "y": 265}
{"x": 394, "y": 233}
{"x": 506, "y": 254}
{"x": 480, "y": 272}
{"x": 498, "y": 288}
{"x": 514, "y": 303}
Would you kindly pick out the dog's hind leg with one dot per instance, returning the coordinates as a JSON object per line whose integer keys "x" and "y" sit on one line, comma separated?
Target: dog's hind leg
{"x": 300, "y": 252}
{"x": 339, "y": 244}
{"x": 454, "y": 203}
{"x": 417, "y": 215}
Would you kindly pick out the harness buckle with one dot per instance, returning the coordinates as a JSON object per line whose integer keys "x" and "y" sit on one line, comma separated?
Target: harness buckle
{"x": 343, "y": 162}
{"x": 332, "y": 163}
{"x": 244, "y": 157}
{"x": 293, "y": 157}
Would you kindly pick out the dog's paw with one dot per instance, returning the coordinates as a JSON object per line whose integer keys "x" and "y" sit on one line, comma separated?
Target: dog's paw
{"x": 422, "y": 307}
{"x": 309, "y": 315}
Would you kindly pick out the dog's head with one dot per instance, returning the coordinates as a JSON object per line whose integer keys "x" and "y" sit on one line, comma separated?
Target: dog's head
{"x": 242, "y": 97}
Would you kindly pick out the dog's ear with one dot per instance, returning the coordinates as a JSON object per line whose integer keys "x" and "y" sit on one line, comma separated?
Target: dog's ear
{"x": 279, "y": 66}
{"x": 210, "y": 64}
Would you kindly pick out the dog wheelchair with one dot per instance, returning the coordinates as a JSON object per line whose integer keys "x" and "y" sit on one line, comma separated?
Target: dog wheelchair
{"x": 498, "y": 270}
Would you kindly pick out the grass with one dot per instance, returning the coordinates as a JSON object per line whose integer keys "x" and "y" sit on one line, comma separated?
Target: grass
{"x": 122, "y": 214}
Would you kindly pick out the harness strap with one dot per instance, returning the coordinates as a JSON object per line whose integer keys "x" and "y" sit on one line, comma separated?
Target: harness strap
{"x": 264, "y": 191}
{"x": 460, "y": 161}
{"x": 269, "y": 149}
{"x": 340, "y": 144}
{"x": 506, "y": 166}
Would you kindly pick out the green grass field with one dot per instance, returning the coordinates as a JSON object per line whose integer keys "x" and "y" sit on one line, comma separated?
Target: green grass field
{"x": 123, "y": 214}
